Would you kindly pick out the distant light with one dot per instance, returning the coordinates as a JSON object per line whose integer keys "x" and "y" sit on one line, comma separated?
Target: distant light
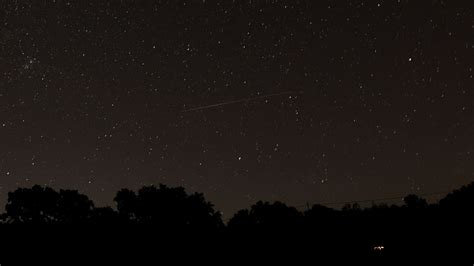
{"x": 379, "y": 248}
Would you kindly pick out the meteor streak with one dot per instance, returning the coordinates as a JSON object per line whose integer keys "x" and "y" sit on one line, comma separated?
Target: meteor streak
{"x": 237, "y": 101}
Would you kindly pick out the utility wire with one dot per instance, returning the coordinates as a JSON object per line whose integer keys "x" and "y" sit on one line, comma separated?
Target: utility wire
{"x": 370, "y": 200}
{"x": 309, "y": 205}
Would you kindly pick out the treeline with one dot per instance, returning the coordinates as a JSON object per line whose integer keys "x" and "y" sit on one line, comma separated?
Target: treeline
{"x": 168, "y": 206}
{"x": 380, "y": 230}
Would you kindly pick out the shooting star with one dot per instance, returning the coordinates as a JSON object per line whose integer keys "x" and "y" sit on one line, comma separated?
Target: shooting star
{"x": 237, "y": 101}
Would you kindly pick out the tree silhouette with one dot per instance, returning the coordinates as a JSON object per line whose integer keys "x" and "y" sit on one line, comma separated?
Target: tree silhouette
{"x": 460, "y": 199}
{"x": 37, "y": 205}
{"x": 415, "y": 202}
{"x": 43, "y": 205}
{"x": 73, "y": 207}
{"x": 266, "y": 216}
{"x": 167, "y": 207}
{"x": 127, "y": 205}
{"x": 319, "y": 211}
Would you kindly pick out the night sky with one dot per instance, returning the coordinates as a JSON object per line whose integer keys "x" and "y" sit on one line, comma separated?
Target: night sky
{"x": 346, "y": 100}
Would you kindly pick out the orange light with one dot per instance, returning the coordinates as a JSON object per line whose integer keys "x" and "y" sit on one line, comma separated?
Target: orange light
{"x": 379, "y": 248}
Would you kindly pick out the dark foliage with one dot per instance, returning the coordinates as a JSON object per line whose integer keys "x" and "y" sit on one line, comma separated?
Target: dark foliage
{"x": 167, "y": 207}
{"x": 266, "y": 216}
{"x": 43, "y": 205}
{"x": 416, "y": 228}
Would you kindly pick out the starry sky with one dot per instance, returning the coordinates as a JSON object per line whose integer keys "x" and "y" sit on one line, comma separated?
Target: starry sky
{"x": 366, "y": 99}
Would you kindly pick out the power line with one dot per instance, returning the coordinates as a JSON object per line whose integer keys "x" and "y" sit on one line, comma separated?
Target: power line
{"x": 308, "y": 205}
{"x": 371, "y": 200}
